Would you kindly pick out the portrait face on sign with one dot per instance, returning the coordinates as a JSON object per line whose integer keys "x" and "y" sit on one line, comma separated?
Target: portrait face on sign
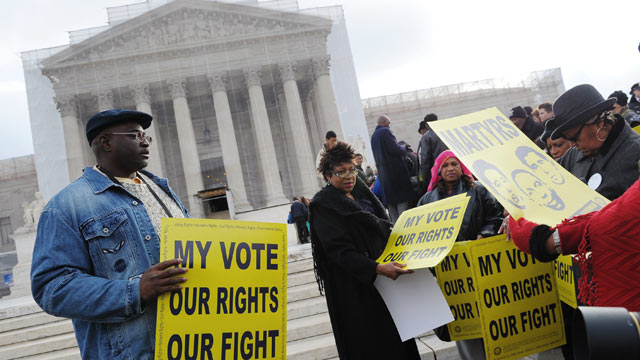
{"x": 543, "y": 167}
{"x": 498, "y": 182}
{"x": 537, "y": 190}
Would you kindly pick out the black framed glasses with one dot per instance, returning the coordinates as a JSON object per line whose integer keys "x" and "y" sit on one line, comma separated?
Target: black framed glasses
{"x": 345, "y": 173}
{"x": 577, "y": 135}
{"x": 602, "y": 117}
{"x": 137, "y": 135}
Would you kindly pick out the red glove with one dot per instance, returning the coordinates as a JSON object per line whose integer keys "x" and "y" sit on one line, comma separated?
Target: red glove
{"x": 520, "y": 232}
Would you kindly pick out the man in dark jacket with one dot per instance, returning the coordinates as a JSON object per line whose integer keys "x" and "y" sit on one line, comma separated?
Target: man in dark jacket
{"x": 634, "y": 103}
{"x": 527, "y": 125}
{"x": 300, "y": 215}
{"x": 392, "y": 170}
{"x": 428, "y": 150}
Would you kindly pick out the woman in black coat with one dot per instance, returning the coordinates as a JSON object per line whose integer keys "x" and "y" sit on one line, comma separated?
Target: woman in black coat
{"x": 349, "y": 230}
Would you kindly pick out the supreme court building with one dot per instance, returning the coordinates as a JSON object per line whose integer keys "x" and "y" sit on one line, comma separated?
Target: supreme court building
{"x": 241, "y": 93}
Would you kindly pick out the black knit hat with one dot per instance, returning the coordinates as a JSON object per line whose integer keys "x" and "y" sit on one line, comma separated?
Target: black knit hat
{"x": 576, "y": 106}
{"x": 517, "y": 112}
{"x": 621, "y": 98}
{"x": 635, "y": 86}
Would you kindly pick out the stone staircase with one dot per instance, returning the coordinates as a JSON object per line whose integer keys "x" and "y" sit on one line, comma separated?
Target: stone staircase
{"x": 28, "y": 333}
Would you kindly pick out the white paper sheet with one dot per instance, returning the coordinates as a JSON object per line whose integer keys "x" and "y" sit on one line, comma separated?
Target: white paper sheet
{"x": 415, "y": 302}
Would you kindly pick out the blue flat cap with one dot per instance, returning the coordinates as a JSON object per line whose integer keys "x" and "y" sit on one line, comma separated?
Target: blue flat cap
{"x": 107, "y": 118}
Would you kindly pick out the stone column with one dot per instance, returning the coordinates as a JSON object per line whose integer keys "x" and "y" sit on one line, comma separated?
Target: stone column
{"x": 300, "y": 138}
{"x": 68, "y": 107}
{"x": 264, "y": 140}
{"x": 188, "y": 148}
{"x": 105, "y": 100}
{"x": 316, "y": 139}
{"x": 326, "y": 98}
{"x": 228, "y": 143}
{"x": 142, "y": 98}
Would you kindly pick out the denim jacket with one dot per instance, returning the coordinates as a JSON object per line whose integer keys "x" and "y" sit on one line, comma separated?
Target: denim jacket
{"x": 94, "y": 242}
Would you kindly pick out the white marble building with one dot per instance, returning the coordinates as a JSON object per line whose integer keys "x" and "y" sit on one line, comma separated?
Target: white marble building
{"x": 241, "y": 93}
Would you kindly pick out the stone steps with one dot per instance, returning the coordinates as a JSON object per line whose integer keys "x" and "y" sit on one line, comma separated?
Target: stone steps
{"x": 66, "y": 354}
{"x": 26, "y": 321}
{"x": 301, "y": 278}
{"x": 306, "y": 307}
{"x": 36, "y": 332}
{"x": 307, "y": 327}
{"x": 39, "y": 346}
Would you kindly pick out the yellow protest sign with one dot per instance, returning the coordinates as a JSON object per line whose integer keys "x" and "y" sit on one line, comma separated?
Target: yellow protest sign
{"x": 455, "y": 277}
{"x": 565, "y": 279}
{"x": 525, "y": 180}
{"x": 233, "y": 304}
{"x": 517, "y": 298}
{"x": 423, "y": 236}
{"x": 637, "y": 129}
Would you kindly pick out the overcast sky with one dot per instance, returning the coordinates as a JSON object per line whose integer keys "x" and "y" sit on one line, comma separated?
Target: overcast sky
{"x": 397, "y": 45}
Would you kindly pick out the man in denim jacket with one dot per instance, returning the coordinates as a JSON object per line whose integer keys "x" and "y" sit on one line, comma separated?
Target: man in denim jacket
{"x": 96, "y": 256}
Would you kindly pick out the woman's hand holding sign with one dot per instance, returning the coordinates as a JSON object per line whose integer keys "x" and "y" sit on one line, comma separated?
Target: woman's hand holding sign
{"x": 392, "y": 270}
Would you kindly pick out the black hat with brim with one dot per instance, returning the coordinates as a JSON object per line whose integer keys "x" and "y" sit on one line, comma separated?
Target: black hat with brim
{"x": 104, "y": 119}
{"x": 423, "y": 125}
{"x": 577, "y": 106}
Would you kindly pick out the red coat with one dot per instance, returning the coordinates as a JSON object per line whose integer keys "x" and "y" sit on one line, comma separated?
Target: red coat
{"x": 612, "y": 234}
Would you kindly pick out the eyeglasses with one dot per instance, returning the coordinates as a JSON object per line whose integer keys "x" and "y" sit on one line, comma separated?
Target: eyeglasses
{"x": 603, "y": 116}
{"x": 138, "y": 135}
{"x": 575, "y": 137}
{"x": 345, "y": 173}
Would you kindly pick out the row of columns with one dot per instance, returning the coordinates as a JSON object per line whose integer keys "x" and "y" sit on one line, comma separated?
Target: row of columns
{"x": 266, "y": 152}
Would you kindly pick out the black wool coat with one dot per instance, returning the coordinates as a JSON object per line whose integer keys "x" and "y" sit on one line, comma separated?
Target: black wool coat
{"x": 393, "y": 172}
{"x": 430, "y": 147}
{"x": 346, "y": 240}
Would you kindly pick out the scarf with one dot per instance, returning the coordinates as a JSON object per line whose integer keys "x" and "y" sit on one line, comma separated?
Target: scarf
{"x": 437, "y": 166}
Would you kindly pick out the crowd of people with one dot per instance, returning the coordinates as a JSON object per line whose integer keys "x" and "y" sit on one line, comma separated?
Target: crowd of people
{"x": 99, "y": 236}
{"x": 589, "y": 136}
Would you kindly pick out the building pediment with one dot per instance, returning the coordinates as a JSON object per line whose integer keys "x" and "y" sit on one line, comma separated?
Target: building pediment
{"x": 184, "y": 24}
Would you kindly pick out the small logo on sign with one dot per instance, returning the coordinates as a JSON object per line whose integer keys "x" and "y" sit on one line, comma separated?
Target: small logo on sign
{"x": 497, "y": 350}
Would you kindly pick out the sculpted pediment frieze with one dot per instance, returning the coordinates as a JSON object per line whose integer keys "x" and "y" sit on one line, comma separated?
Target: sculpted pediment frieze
{"x": 186, "y": 26}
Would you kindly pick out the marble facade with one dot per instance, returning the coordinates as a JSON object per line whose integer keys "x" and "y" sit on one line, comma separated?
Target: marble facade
{"x": 240, "y": 96}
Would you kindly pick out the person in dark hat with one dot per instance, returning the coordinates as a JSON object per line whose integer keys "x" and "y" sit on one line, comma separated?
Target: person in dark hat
{"x": 606, "y": 151}
{"x": 620, "y": 106}
{"x": 634, "y": 103}
{"x": 429, "y": 148}
{"x": 556, "y": 148}
{"x": 526, "y": 124}
{"x": 96, "y": 254}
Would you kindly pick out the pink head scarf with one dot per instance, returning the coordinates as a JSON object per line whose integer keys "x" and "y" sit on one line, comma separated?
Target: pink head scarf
{"x": 435, "y": 170}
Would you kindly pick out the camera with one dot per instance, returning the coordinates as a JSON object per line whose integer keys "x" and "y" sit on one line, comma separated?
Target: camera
{"x": 606, "y": 333}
